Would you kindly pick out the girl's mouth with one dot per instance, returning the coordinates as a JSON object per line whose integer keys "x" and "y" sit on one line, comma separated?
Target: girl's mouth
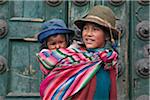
{"x": 89, "y": 41}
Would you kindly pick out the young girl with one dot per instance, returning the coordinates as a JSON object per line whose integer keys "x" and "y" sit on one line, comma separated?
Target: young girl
{"x": 54, "y": 35}
{"x": 98, "y": 32}
{"x": 84, "y": 73}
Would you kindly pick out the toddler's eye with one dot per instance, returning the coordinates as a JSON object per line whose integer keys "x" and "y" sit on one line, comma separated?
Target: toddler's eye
{"x": 61, "y": 42}
{"x": 53, "y": 43}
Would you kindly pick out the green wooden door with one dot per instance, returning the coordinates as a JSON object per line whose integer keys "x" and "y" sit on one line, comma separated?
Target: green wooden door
{"x": 20, "y": 22}
{"x": 139, "y": 51}
{"x": 18, "y": 47}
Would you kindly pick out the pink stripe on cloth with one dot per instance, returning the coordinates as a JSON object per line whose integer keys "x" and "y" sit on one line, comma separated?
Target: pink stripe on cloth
{"x": 42, "y": 55}
{"x": 55, "y": 82}
{"x": 53, "y": 60}
{"x": 77, "y": 84}
{"x": 57, "y": 77}
{"x": 44, "y": 70}
{"x": 69, "y": 52}
{"x": 71, "y": 88}
{"x": 88, "y": 73}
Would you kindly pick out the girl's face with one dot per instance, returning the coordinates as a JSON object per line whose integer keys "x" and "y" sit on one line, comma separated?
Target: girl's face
{"x": 56, "y": 42}
{"x": 93, "y": 36}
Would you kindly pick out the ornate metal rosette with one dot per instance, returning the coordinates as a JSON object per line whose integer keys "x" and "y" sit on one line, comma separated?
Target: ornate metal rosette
{"x": 116, "y": 2}
{"x": 80, "y": 2}
{"x": 2, "y": 1}
{"x": 3, "y": 28}
{"x": 53, "y": 2}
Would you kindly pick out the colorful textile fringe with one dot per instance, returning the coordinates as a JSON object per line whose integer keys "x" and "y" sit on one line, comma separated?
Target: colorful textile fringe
{"x": 70, "y": 70}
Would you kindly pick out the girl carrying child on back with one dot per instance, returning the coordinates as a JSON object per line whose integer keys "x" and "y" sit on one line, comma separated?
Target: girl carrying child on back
{"x": 86, "y": 73}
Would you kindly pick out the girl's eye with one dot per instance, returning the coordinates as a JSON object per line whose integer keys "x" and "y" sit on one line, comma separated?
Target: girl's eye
{"x": 84, "y": 28}
{"x": 96, "y": 28}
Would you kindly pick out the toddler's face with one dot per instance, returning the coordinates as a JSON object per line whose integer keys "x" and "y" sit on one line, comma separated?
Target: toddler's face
{"x": 56, "y": 42}
{"x": 93, "y": 36}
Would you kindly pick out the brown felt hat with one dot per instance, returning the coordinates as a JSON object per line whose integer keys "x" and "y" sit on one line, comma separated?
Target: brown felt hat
{"x": 102, "y": 16}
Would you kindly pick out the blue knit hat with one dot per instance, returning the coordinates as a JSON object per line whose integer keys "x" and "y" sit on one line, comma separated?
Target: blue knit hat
{"x": 53, "y": 27}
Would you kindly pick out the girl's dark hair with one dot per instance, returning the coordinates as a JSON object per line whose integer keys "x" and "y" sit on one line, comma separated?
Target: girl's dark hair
{"x": 105, "y": 30}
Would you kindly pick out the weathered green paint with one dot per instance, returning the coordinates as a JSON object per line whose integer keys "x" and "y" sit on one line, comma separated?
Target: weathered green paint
{"x": 3, "y": 50}
{"x": 75, "y": 12}
{"x": 24, "y": 18}
{"x": 138, "y": 86}
{"x": 121, "y": 11}
{"x": 23, "y": 98}
{"x": 24, "y": 74}
{"x": 60, "y": 11}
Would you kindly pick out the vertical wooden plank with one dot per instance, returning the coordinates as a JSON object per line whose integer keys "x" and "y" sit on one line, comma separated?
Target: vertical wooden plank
{"x": 18, "y": 8}
{"x": 35, "y": 70}
{"x": 24, "y": 76}
{"x": 78, "y": 9}
{"x": 3, "y": 84}
{"x": 18, "y": 79}
{"x": 3, "y": 49}
{"x": 56, "y": 11}
{"x": 26, "y": 11}
{"x": 139, "y": 45}
{"x": 4, "y": 10}
{"x": 33, "y": 9}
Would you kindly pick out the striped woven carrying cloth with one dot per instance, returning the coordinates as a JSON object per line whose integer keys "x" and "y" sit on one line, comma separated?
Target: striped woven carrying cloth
{"x": 74, "y": 68}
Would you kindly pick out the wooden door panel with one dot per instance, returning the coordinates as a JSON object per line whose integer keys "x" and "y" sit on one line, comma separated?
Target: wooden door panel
{"x": 56, "y": 9}
{"x": 139, "y": 50}
{"x": 26, "y": 11}
{"x": 24, "y": 73}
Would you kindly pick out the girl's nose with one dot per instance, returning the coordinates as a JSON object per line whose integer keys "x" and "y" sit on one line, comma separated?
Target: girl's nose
{"x": 89, "y": 33}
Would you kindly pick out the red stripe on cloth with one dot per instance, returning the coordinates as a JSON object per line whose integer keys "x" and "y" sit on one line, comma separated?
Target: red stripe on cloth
{"x": 88, "y": 92}
{"x": 57, "y": 77}
{"x": 113, "y": 89}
